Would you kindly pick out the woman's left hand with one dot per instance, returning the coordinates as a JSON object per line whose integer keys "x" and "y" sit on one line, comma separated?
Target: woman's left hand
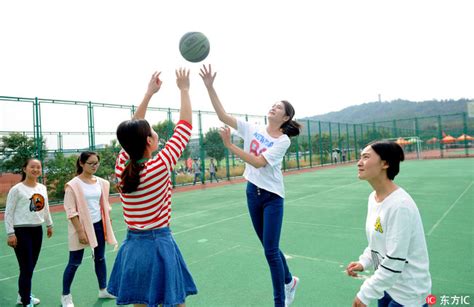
{"x": 225, "y": 135}
{"x": 155, "y": 83}
{"x": 50, "y": 232}
{"x": 358, "y": 303}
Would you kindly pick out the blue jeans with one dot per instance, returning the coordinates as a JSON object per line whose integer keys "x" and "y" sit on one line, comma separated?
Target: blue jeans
{"x": 266, "y": 212}
{"x": 197, "y": 176}
{"x": 29, "y": 240}
{"x": 388, "y": 301}
{"x": 211, "y": 175}
{"x": 75, "y": 260}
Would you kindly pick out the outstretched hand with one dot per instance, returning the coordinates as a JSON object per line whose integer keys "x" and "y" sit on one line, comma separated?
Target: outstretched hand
{"x": 225, "y": 135}
{"x": 182, "y": 79}
{"x": 155, "y": 83}
{"x": 207, "y": 76}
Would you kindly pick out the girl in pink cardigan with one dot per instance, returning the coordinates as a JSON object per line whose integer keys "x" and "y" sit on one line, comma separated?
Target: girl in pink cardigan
{"x": 87, "y": 208}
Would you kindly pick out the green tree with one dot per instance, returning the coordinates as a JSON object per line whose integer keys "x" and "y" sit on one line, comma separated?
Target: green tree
{"x": 164, "y": 130}
{"x": 108, "y": 155}
{"x": 15, "y": 149}
{"x": 60, "y": 170}
{"x": 213, "y": 144}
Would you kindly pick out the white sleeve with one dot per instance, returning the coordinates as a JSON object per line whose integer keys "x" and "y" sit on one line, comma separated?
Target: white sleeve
{"x": 47, "y": 213}
{"x": 243, "y": 128}
{"x": 366, "y": 258}
{"x": 275, "y": 154}
{"x": 10, "y": 210}
{"x": 398, "y": 231}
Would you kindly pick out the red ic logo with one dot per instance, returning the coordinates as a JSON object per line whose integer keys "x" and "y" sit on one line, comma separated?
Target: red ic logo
{"x": 431, "y": 299}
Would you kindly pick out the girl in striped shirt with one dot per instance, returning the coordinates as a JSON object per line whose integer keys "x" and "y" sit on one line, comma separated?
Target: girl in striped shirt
{"x": 149, "y": 268}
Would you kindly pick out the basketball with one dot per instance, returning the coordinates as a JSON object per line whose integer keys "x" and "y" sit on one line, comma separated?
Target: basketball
{"x": 194, "y": 46}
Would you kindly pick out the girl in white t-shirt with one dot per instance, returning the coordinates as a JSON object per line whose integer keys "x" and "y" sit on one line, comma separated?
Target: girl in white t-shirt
{"x": 264, "y": 149}
{"x": 26, "y": 210}
{"x": 86, "y": 203}
{"x": 397, "y": 247}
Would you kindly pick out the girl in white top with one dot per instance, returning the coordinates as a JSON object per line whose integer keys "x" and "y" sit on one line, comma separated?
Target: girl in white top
{"x": 397, "y": 248}
{"x": 87, "y": 209}
{"x": 264, "y": 149}
{"x": 26, "y": 210}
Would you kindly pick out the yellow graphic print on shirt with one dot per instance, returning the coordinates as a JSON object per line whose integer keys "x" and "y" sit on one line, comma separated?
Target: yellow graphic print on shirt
{"x": 378, "y": 225}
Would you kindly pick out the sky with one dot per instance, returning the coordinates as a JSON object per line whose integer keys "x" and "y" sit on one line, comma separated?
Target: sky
{"x": 322, "y": 56}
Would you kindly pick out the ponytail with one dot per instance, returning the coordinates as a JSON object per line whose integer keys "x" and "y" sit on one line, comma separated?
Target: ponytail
{"x": 131, "y": 177}
{"x": 290, "y": 127}
{"x": 132, "y": 135}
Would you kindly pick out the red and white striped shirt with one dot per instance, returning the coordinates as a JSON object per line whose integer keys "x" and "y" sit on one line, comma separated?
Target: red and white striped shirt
{"x": 149, "y": 207}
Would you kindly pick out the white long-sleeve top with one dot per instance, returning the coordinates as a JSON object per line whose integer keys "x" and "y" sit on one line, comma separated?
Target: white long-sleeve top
{"x": 397, "y": 251}
{"x": 27, "y": 207}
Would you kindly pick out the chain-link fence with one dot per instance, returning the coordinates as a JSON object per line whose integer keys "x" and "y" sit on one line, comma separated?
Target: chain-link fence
{"x": 55, "y": 131}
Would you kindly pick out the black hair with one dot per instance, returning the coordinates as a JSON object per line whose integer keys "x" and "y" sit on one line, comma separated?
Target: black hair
{"x": 132, "y": 136}
{"x": 390, "y": 152}
{"x": 83, "y": 159}
{"x": 23, "y": 174}
{"x": 290, "y": 127}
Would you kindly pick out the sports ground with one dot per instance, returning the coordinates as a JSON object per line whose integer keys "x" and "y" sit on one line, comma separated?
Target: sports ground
{"x": 323, "y": 230}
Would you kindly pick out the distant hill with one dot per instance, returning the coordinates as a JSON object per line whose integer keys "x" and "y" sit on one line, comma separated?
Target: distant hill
{"x": 397, "y": 109}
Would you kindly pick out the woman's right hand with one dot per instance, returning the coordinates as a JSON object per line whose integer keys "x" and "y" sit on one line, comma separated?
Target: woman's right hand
{"x": 12, "y": 241}
{"x": 83, "y": 237}
{"x": 207, "y": 76}
{"x": 155, "y": 83}
{"x": 354, "y": 267}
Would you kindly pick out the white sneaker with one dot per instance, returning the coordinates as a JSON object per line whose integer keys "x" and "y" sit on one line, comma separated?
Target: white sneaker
{"x": 33, "y": 300}
{"x": 105, "y": 294}
{"x": 290, "y": 290}
{"x": 66, "y": 300}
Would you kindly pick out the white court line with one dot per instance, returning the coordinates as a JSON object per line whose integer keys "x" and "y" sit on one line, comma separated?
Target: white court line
{"x": 177, "y": 233}
{"x": 42, "y": 248}
{"x": 220, "y": 206}
{"x": 209, "y": 224}
{"x": 324, "y": 225}
{"x": 48, "y": 267}
{"x": 212, "y": 255}
{"x": 314, "y": 259}
{"x": 259, "y": 250}
{"x": 322, "y": 191}
{"x": 449, "y": 209}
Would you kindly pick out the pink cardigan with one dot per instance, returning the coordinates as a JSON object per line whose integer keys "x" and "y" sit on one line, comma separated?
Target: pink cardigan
{"x": 75, "y": 205}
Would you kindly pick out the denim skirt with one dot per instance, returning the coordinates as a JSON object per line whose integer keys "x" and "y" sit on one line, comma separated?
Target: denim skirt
{"x": 149, "y": 269}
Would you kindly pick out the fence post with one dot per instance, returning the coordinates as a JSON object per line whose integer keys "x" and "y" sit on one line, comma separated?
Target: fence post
{"x": 169, "y": 133}
{"x": 90, "y": 122}
{"x": 38, "y": 135}
{"x": 297, "y": 153}
{"x": 330, "y": 143}
{"x": 201, "y": 150}
{"x": 464, "y": 119}
{"x": 356, "y": 149}
{"x": 227, "y": 166}
{"x": 440, "y": 136}
{"x": 60, "y": 142}
{"x": 348, "y": 152}
{"x": 310, "y": 146}
{"x": 320, "y": 144}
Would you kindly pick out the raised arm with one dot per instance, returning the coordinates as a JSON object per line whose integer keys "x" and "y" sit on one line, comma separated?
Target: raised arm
{"x": 208, "y": 78}
{"x": 153, "y": 87}
{"x": 182, "y": 80}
